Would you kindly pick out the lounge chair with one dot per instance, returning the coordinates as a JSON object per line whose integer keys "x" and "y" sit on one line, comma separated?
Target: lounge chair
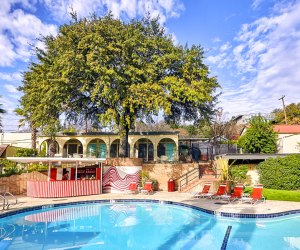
{"x": 236, "y": 195}
{"x": 255, "y": 196}
{"x": 147, "y": 188}
{"x": 221, "y": 191}
{"x": 204, "y": 192}
{"x": 132, "y": 189}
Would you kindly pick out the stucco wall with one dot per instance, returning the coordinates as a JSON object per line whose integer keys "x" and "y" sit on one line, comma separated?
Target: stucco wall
{"x": 22, "y": 140}
{"x": 288, "y": 143}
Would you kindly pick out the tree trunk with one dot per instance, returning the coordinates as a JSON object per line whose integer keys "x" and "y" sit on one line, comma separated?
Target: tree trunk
{"x": 124, "y": 146}
{"x": 52, "y": 148}
{"x": 33, "y": 137}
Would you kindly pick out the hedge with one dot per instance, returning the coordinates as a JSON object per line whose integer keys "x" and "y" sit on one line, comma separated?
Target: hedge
{"x": 280, "y": 173}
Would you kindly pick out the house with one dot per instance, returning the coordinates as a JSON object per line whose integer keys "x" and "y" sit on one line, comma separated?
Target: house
{"x": 288, "y": 138}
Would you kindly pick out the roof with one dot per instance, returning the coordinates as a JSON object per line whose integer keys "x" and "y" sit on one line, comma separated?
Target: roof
{"x": 2, "y": 149}
{"x": 287, "y": 129}
{"x": 55, "y": 159}
{"x": 250, "y": 156}
{"x": 112, "y": 133}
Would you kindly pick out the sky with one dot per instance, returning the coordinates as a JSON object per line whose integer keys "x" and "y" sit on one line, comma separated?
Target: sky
{"x": 251, "y": 46}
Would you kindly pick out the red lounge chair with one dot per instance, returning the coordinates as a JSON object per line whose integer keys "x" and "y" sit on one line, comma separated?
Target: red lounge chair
{"x": 221, "y": 191}
{"x": 255, "y": 196}
{"x": 237, "y": 193}
{"x": 204, "y": 192}
{"x": 147, "y": 188}
{"x": 132, "y": 188}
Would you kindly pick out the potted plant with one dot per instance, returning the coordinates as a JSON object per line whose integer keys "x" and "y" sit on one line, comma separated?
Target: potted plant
{"x": 221, "y": 165}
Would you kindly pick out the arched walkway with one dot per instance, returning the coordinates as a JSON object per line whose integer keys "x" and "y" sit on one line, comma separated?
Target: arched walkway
{"x": 144, "y": 149}
{"x": 45, "y": 147}
{"x": 72, "y": 148}
{"x": 166, "y": 149}
{"x": 115, "y": 148}
{"x": 96, "y": 148}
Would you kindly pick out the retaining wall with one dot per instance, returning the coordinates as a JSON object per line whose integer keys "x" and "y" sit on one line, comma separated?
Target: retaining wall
{"x": 17, "y": 184}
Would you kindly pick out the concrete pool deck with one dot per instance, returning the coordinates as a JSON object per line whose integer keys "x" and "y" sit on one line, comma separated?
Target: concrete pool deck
{"x": 218, "y": 206}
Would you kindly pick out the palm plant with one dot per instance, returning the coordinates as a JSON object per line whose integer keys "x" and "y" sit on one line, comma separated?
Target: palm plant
{"x": 24, "y": 120}
{"x": 2, "y": 111}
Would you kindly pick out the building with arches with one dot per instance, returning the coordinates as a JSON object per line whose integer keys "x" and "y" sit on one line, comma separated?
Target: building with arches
{"x": 150, "y": 146}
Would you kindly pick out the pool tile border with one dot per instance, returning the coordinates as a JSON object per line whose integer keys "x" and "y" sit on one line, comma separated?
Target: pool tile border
{"x": 112, "y": 201}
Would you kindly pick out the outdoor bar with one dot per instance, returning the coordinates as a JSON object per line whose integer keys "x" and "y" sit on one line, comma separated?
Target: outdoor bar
{"x": 67, "y": 177}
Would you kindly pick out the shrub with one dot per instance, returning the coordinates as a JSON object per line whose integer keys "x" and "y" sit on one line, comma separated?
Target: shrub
{"x": 9, "y": 167}
{"x": 280, "y": 173}
{"x": 37, "y": 167}
{"x": 238, "y": 173}
{"x": 26, "y": 152}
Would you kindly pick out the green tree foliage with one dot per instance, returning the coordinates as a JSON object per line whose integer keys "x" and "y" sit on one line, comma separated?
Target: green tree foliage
{"x": 292, "y": 114}
{"x": 259, "y": 137}
{"x": 280, "y": 173}
{"x": 116, "y": 72}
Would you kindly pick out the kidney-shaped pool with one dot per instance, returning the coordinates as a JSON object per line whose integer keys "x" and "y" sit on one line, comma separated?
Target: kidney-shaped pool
{"x": 142, "y": 225}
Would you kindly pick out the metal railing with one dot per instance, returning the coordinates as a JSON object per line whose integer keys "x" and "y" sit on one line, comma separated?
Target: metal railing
{"x": 7, "y": 201}
{"x": 188, "y": 177}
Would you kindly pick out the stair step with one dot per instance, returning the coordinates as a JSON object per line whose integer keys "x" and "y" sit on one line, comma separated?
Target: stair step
{"x": 196, "y": 182}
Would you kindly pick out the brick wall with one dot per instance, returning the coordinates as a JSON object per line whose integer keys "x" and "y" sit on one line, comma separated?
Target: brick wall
{"x": 164, "y": 171}
{"x": 123, "y": 162}
{"x": 17, "y": 184}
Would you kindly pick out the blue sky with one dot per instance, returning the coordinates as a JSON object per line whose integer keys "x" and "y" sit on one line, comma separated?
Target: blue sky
{"x": 252, "y": 46}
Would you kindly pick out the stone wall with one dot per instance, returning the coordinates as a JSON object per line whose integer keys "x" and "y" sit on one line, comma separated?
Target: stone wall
{"x": 17, "y": 184}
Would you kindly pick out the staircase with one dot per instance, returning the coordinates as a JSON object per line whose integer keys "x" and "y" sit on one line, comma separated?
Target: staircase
{"x": 193, "y": 180}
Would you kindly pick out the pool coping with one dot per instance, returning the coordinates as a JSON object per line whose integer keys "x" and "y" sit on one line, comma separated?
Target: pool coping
{"x": 113, "y": 201}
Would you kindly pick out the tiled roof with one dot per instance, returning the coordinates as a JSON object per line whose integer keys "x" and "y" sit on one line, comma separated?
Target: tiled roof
{"x": 2, "y": 149}
{"x": 287, "y": 129}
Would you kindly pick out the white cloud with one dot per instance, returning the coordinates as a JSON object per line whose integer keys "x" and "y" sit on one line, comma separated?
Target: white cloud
{"x": 256, "y": 3}
{"x": 267, "y": 52}
{"x": 225, "y": 47}
{"x": 11, "y": 77}
{"x": 19, "y": 30}
{"x": 216, "y": 40}
{"x": 130, "y": 8}
{"x": 11, "y": 88}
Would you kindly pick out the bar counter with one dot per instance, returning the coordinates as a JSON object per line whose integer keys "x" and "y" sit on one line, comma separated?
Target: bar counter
{"x": 59, "y": 189}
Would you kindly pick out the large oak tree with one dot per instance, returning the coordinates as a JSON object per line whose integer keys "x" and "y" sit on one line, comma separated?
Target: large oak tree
{"x": 117, "y": 72}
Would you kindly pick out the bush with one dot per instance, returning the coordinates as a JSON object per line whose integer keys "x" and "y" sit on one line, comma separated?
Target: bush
{"x": 26, "y": 152}
{"x": 280, "y": 173}
{"x": 36, "y": 167}
{"x": 238, "y": 173}
{"x": 10, "y": 168}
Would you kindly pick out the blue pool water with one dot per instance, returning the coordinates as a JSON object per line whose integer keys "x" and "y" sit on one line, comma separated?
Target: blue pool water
{"x": 142, "y": 226}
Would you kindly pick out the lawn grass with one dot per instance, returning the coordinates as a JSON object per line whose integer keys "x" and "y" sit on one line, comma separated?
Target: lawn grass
{"x": 278, "y": 195}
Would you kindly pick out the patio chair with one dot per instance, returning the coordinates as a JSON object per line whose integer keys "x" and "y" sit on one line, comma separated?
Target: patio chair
{"x": 256, "y": 195}
{"x": 204, "y": 192}
{"x": 237, "y": 194}
{"x": 132, "y": 189}
{"x": 147, "y": 188}
{"x": 221, "y": 191}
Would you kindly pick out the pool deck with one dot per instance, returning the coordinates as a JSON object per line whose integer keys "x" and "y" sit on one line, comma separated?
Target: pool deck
{"x": 218, "y": 206}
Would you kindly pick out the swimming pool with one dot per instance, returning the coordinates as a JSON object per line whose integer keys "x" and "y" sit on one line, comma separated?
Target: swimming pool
{"x": 143, "y": 225}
